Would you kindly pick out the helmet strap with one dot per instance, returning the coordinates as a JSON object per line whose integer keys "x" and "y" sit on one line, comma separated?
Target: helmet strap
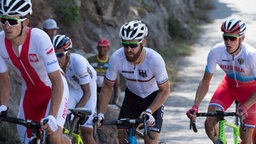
{"x": 21, "y": 31}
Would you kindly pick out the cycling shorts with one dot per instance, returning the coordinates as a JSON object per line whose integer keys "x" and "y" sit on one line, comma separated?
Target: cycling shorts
{"x": 227, "y": 92}
{"x": 134, "y": 105}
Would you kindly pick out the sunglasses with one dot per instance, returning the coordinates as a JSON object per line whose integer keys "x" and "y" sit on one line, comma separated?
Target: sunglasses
{"x": 61, "y": 54}
{"x": 11, "y": 21}
{"x": 230, "y": 37}
{"x": 130, "y": 44}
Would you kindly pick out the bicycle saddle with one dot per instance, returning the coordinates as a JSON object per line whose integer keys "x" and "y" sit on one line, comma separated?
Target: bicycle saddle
{"x": 81, "y": 112}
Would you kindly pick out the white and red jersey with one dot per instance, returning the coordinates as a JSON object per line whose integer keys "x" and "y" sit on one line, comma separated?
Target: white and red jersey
{"x": 35, "y": 60}
{"x": 141, "y": 79}
{"x": 241, "y": 68}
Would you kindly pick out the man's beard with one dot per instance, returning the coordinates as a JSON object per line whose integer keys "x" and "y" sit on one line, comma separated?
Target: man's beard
{"x": 135, "y": 56}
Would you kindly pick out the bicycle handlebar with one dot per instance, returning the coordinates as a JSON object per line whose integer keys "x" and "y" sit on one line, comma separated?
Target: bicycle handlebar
{"x": 30, "y": 124}
{"x": 128, "y": 121}
{"x": 220, "y": 114}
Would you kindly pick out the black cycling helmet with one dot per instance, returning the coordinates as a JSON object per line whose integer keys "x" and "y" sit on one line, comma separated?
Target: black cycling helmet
{"x": 15, "y": 7}
{"x": 233, "y": 26}
{"x": 62, "y": 41}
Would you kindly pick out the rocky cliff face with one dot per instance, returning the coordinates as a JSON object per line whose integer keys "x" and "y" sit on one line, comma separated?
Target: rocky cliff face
{"x": 166, "y": 20}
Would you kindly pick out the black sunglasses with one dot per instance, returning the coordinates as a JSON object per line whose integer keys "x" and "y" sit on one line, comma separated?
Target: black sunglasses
{"x": 11, "y": 21}
{"x": 231, "y": 38}
{"x": 130, "y": 44}
{"x": 61, "y": 54}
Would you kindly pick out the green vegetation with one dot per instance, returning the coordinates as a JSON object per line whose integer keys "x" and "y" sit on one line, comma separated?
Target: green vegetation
{"x": 68, "y": 11}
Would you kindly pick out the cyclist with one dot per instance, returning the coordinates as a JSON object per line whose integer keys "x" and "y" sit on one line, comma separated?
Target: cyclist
{"x": 147, "y": 85}
{"x": 100, "y": 64}
{"x": 81, "y": 78}
{"x": 30, "y": 51}
{"x": 237, "y": 59}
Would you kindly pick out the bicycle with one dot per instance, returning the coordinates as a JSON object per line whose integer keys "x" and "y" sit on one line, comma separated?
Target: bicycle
{"x": 132, "y": 123}
{"x": 222, "y": 123}
{"x": 73, "y": 128}
{"x": 38, "y": 135}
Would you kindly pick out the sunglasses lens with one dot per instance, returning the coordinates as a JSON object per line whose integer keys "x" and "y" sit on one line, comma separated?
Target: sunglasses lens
{"x": 229, "y": 38}
{"x": 59, "y": 55}
{"x": 130, "y": 45}
{"x": 10, "y": 21}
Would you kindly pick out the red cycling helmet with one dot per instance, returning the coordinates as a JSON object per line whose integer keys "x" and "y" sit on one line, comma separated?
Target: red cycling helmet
{"x": 233, "y": 26}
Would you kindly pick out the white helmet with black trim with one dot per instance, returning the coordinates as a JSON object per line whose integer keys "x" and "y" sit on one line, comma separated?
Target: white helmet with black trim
{"x": 233, "y": 26}
{"x": 62, "y": 42}
{"x": 15, "y": 7}
{"x": 134, "y": 30}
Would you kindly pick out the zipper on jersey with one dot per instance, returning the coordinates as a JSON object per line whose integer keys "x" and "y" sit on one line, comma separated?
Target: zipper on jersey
{"x": 233, "y": 64}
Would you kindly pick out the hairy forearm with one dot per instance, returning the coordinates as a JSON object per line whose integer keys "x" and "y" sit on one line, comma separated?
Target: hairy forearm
{"x": 5, "y": 88}
{"x": 201, "y": 92}
{"x": 162, "y": 96}
{"x": 105, "y": 95}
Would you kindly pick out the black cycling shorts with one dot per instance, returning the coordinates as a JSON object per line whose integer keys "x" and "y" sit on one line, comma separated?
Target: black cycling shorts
{"x": 134, "y": 105}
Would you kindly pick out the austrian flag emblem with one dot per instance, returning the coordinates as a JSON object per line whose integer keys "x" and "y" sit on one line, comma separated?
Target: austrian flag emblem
{"x": 33, "y": 58}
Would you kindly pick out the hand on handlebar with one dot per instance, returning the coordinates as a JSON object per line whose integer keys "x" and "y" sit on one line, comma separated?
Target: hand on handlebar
{"x": 49, "y": 124}
{"x": 3, "y": 110}
{"x": 98, "y": 119}
{"x": 151, "y": 119}
{"x": 191, "y": 113}
{"x": 242, "y": 111}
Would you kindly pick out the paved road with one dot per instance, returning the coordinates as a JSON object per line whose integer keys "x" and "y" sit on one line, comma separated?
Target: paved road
{"x": 176, "y": 125}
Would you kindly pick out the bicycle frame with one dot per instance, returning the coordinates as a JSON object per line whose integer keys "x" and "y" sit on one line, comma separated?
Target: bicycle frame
{"x": 75, "y": 137}
{"x": 222, "y": 124}
{"x": 222, "y": 136}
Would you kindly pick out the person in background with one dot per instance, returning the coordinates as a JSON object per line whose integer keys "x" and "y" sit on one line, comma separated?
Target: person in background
{"x": 147, "y": 84}
{"x": 81, "y": 78}
{"x": 238, "y": 60}
{"x": 44, "y": 92}
{"x": 100, "y": 63}
{"x": 50, "y": 27}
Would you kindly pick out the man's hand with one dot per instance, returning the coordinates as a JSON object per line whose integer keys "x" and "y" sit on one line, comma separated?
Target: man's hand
{"x": 242, "y": 111}
{"x": 191, "y": 113}
{"x": 98, "y": 119}
{"x": 3, "y": 110}
{"x": 151, "y": 119}
{"x": 51, "y": 124}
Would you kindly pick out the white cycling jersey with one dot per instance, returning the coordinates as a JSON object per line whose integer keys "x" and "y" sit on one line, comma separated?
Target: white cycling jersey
{"x": 241, "y": 68}
{"x": 142, "y": 79}
{"x": 79, "y": 72}
{"x": 35, "y": 60}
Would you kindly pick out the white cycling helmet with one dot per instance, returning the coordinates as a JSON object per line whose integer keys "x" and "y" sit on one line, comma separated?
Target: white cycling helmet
{"x": 15, "y": 7}
{"x": 62, "y": 41}
{"x": 134, "y": 30}
{"x": 233, "y": 26}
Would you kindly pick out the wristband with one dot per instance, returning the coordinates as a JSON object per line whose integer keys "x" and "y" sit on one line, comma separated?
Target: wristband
{"x": 148, "y": 110}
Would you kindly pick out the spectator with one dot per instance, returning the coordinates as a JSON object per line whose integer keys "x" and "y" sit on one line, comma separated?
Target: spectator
{"x": 100, "y": 64}
{"x": 50, "y": 27}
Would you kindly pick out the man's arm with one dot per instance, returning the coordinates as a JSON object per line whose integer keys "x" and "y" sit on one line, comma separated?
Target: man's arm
{"x": 4, "y": 88}
{"x": 86, "y": 95}
{"x": 105, "y": 95}
{"x": 164, "y": 93}
{"x": 116, "y": 90}
{"x": 203, "y": 88}
{"x": 57, "y": 92}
